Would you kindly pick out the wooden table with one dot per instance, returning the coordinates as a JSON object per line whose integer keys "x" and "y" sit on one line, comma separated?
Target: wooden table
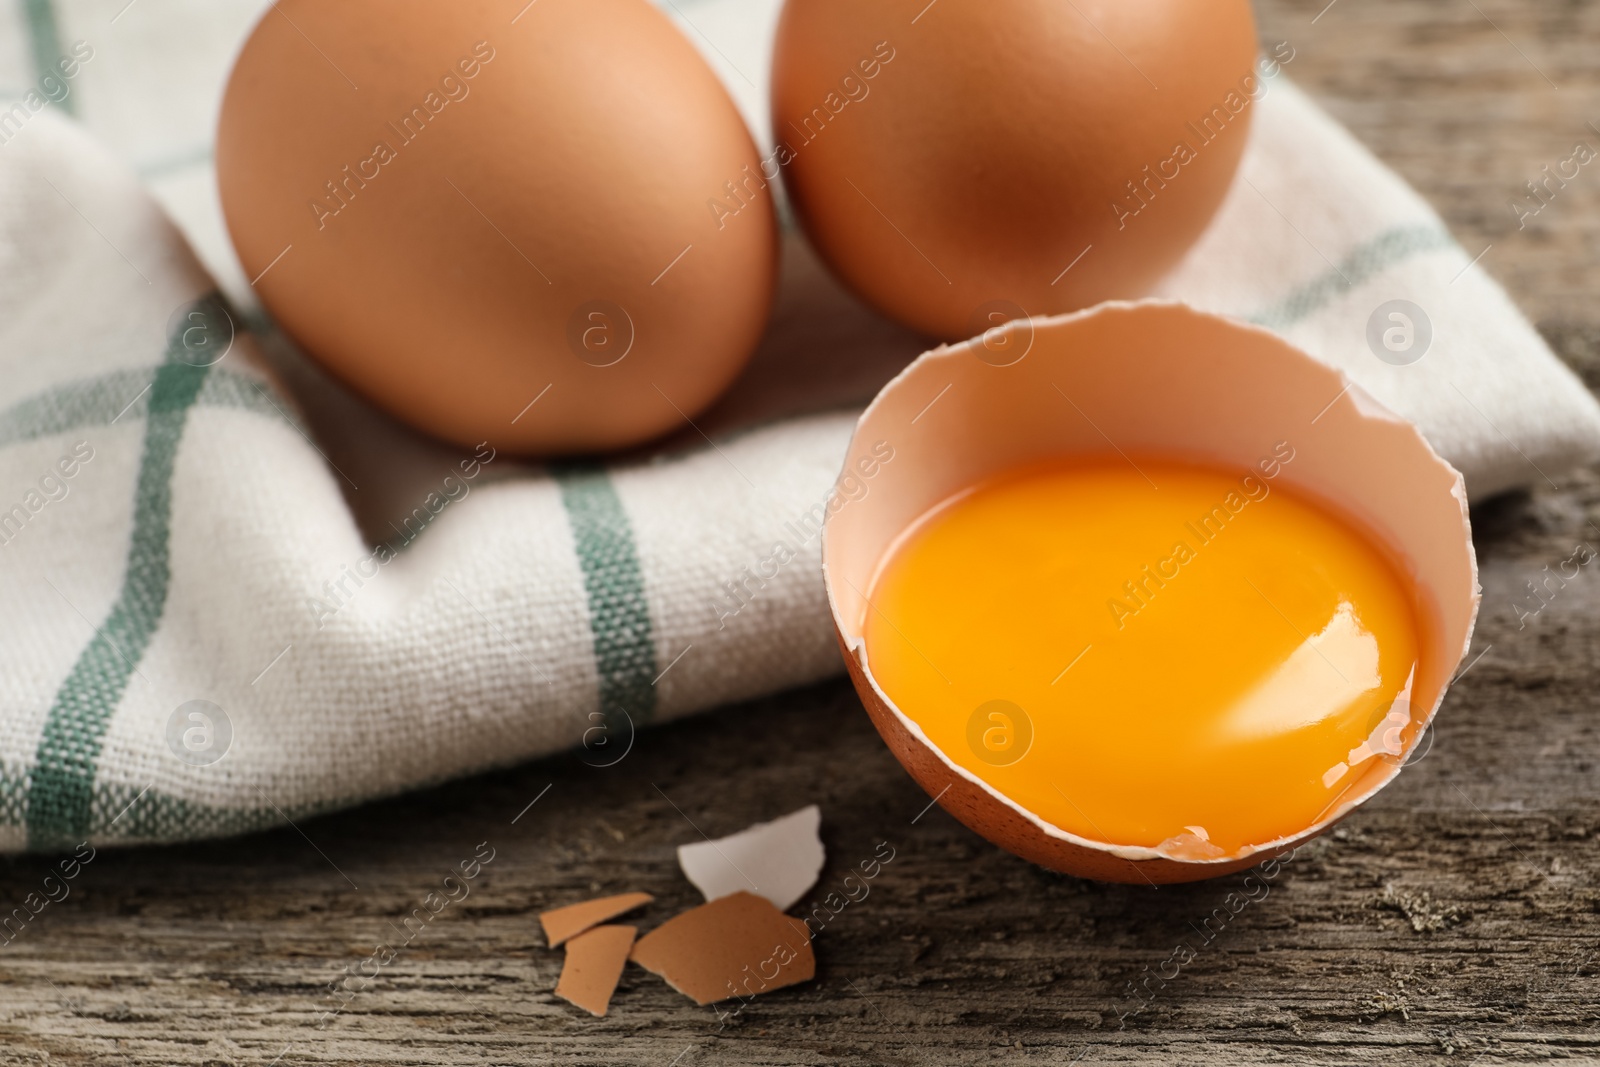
{"x": 1454, "y": 919}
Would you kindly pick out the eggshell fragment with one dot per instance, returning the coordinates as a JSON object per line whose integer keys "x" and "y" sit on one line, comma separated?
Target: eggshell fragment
{"x": 735, "y": 946}
{"x": 1154, "y": 378}
{"x": 593, "y": 966}
{"x": 560, "y": 924}
{"x": 779, "y": 860}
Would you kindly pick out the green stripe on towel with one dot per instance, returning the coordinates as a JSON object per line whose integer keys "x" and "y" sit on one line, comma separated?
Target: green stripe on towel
{"x": 1366, "y": 261}
{"x": 97, "y": 401}
{"x": 619, "y": 616}
{"x": 61, "y": 784}
{"x": 122, "y": 396}
{"x": 45, "y": 42}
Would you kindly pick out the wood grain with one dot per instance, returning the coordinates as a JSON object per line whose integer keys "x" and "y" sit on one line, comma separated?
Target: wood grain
{"x": 1454, "y": 920}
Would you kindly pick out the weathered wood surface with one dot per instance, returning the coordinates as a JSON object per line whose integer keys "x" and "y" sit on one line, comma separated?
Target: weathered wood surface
{"x": 1456, "y": 919}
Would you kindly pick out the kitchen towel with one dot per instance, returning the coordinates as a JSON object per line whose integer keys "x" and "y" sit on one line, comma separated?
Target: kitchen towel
{"x": 206, "y": 629}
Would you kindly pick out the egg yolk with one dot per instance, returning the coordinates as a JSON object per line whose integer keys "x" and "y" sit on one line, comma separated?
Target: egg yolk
{"x": 1147, "y": 652}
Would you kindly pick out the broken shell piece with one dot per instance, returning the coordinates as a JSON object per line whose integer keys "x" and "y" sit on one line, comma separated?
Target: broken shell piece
{"x": 735, "y": 946}
{"x": 563, "y": 923}
{"x": 1193, "y": 844}
{"x": 594, "y": 963}
{"x": 779, "y": 860}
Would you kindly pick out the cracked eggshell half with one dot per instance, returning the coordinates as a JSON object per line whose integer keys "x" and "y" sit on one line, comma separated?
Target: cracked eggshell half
{"x": 1159, "y": 379}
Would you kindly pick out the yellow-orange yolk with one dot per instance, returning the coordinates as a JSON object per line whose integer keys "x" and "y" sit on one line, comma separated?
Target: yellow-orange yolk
{"x": 1147, "y": 652}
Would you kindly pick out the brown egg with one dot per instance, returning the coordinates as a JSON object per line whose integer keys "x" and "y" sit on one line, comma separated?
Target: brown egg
{"x": 1158, "y": 380}
{"x": 493, "y": 217}
{"x": 960, "y": 164}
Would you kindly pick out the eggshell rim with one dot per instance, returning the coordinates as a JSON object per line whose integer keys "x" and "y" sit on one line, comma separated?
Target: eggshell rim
{"x": 1369, "y": 408}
